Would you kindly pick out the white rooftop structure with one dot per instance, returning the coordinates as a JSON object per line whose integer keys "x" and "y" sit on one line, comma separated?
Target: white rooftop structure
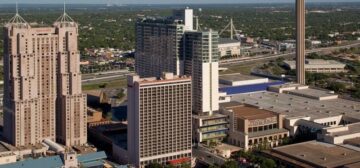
{"x": 241, "y": 80}
{"x": 319, "y": 65}
{"x": 17, "y": 20}
{"x": 298, "y": 106}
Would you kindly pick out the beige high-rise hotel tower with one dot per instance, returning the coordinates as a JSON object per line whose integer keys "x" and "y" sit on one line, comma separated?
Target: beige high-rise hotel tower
{"x": 42, "y": 90}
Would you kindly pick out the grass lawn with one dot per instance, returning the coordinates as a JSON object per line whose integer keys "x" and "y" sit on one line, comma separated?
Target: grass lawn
{"x": 113, "y": 84}
{"x": 243, "y": 69}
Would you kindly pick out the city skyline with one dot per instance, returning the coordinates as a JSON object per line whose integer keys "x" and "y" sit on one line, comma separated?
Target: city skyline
{"x": 161, "y": 1}
{"x": 168, "y": 84}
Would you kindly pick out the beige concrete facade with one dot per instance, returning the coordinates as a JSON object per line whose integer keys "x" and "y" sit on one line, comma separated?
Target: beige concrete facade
{"x": 300, "y": 41}
{"x": 159, "y": 119}
{"x": 251, "y": 127}
{"x": 42, "y": 91}
{"x": 229, "y": 47}
{"x": 319, "y": 66}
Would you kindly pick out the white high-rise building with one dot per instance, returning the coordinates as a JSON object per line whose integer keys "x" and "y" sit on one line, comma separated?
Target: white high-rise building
{"x": 187, "y": 15}
{"x": 202, "y": 63}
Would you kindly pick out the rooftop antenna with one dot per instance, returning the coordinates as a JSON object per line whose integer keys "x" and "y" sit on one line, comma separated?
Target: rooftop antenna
{"x": 64, "y": 6}
{"x": 17, "y": 19}
{"x": 65, "y": 18}
{"x": 17, "y": 8}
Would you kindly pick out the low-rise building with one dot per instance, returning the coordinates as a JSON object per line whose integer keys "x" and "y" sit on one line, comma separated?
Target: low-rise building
{"x": 251, "y": 126}
{"x": 313, "y": 154}
{"x": 319, "y": 66}
{"x": 66, "y": 160}
{"x": 210, "y": 128}
{"x": 229, "y": 47}
{"x": 93, "y": 115}
{"x": 307, "y": 111}
{"x": 340, "y": 134}
{"x": 241, "y": 80}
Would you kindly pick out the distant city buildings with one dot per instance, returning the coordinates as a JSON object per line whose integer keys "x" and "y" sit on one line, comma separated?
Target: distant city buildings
{"x": 319, "y": 66}
{"x": 159, "y": 120}
{"x": 229, "y": 47}
{"x": 42, "y": 84}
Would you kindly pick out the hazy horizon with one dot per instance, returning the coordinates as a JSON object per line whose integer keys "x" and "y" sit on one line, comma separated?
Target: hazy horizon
{"x": 160, "y": 1}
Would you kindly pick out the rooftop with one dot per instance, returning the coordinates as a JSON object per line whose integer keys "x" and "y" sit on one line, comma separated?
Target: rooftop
{"x": 354, "y": 141}
{"x": 228, "y": 41}
{"x": 47, "y": 162}
{"x": 317, "y": 63}
{"x": 238, "y": 77}
{"x": 167, "y": 77}
{"x": 314, "y": 93}
{"x": 319, "y": 154}
{"x": 252, "y": 113}
{"x": 298, "y": 106}
{"x": 230, "y": 104}
{"x": 352, "y": 129}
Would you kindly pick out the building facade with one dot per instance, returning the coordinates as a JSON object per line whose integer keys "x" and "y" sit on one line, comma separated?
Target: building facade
{"x": 202, "y": 63}
{"x": 42, "y": 84}
{"x": 159, "y": 119}
{"x": 159, "y": 44}
{"x": 300, "y": 41}
{"x": 251, "y": 127}
{"x": 319, "y": 66}
{"x": 229, "y": 47}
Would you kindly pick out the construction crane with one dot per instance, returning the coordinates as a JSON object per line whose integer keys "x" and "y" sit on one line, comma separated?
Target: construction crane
{"x": 233, "y": 30}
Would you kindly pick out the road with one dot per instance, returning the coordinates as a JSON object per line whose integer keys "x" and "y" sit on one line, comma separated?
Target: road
{"x": 99, "y": 77}
{"x": 104, "y": 76}
{"x": 267, "y": 57}
{"x": 207, "y": 157}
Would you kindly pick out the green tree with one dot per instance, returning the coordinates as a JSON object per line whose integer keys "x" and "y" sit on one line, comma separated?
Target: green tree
{"x": 337, "y": 87}
{"x": 230, "y": 164}
{"x": 268, "y": 163}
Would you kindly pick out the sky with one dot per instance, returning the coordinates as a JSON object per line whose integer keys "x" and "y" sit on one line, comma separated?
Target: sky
{"x": 160, "y": 1}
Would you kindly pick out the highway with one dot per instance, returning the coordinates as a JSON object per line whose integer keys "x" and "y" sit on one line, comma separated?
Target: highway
{"x": 267, "y": 57}
{"x": 99, "y": 77}
{"x": 104, "y": 76}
